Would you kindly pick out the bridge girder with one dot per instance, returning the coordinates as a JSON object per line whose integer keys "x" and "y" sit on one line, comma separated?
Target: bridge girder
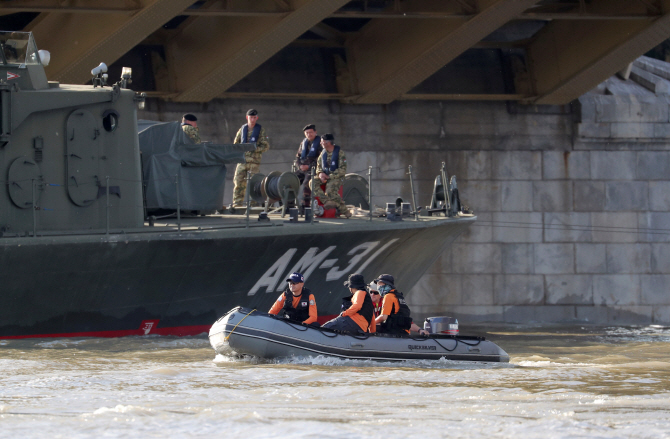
{"x": 568, "y": 58}
{"x": 391, "y": 57}
{"x": 79, "y": 42}
{"x": 211, "y": 45}
{"x": 225, "y": 51}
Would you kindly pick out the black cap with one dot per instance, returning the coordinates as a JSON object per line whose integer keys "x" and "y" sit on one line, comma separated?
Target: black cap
{"x": 355, "y": 281}
{"x": 328, "y": 136}
{"x": 311, "y": 126}
{"x": 191, "y": 117}
{"x": 387, "y": 279}
{"x": 252, "y": 112}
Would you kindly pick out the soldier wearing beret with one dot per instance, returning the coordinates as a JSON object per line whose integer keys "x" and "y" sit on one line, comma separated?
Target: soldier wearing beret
{"x": 330, "y": 168}
{"x": 189, "y": 124}
{"x": 308, "y": 153}
{"x": 251, "y": 132}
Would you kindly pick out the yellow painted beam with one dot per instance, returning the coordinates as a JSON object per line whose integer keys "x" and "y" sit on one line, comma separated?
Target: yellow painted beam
{"x": 390, "y": 57}
{"x": 79, "y": 42}
{"x": 567, "y": 59}
{"x": 209, "y": 56}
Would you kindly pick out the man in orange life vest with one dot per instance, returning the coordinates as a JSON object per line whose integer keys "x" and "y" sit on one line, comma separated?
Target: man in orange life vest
{"x": 296, "y": 302}
{"x": 376, "y": 300}
{"x": 357, "y": 311}
{"x": 395, "y": 314}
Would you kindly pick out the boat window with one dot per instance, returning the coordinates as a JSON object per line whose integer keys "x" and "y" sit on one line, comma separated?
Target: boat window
{"x": 110, "y": 120}
{"x": 18, "y": 48}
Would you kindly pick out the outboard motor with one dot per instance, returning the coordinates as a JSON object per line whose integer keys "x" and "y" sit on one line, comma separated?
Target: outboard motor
{"x": 441, "y": 325}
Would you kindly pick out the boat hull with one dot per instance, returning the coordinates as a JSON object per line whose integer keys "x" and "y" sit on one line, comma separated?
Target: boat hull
{"x": 247, "y": 332}
{"x": 179, "y": 282}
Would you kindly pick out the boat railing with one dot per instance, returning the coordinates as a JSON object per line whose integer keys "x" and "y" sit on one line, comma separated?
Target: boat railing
{"x": 110, "y": 187}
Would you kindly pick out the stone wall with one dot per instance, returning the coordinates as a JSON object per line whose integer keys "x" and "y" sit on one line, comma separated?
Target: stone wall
{"x": 571, "y": 227}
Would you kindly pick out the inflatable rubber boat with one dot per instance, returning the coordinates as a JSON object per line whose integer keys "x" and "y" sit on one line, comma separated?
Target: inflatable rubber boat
{"x": 243, "y": 331}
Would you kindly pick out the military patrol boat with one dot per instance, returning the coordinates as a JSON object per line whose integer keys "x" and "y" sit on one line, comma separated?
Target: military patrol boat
{"x": 78, "y": 259}
{"x": 244, "y": 331}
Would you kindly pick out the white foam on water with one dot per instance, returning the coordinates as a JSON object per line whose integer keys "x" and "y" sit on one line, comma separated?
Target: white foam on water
{"x": 324, "y": 360}
{"x": 602, "y": 386}
{"x": 649, "y": 334}
{"x": 547, "y": 363}
{"x": 61, "y": 343}
{"x": 124, "y": 409}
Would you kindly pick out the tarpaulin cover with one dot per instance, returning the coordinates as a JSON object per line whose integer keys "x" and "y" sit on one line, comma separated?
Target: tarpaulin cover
{"x": 168, "y": 154}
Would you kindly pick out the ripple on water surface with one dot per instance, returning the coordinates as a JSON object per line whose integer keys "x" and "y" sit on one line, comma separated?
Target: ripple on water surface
{"x": 560, "y": 383}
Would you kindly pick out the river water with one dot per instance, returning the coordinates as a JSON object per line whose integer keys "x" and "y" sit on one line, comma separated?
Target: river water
{"x": 575, "y": 382}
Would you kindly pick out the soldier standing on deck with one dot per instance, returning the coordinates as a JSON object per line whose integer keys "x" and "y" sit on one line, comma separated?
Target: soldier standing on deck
{"x": 308, "y": 153}
{"x": 189, "y": 124}
{"x": 251, "y": 132}
{"x": 331, "y": 168}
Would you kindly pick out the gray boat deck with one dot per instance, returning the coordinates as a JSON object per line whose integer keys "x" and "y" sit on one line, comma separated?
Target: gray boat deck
{"x": 223, "y": 225}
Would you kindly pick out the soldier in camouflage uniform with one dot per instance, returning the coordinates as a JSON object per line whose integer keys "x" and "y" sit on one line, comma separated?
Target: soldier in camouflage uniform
{"x": 189, "y": 123}
{"x": 331, "y": 168}
{"x": 251, "y": 132}
{"x": 308, "y": 153}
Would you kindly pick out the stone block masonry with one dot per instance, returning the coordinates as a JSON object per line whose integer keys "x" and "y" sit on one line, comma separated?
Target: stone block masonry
{"x": 573, "y": 204}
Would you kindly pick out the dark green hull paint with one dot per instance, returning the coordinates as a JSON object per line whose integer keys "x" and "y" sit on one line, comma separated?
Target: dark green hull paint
{"x": 93, "y": 283}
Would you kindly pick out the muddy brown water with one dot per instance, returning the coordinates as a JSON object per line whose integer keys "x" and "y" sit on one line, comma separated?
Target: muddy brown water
{"x": 561, "y": 382}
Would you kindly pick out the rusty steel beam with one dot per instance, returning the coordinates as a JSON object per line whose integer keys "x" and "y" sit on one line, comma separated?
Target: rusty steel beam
{"x": 259, "y": 95}
{"x": 391, "y": 57}
{"x": 463, "y": 97}
{"x": 329, "y": 33}
{"x": 4, "y": 10}
{"x": 79, "y": 42}
{"x": 347, "y": 98}
{"x": 567, "y": 59}
{"x": 218, "y": 12}
{"x": 551, "y": 16}
{"x": 218, "y": 55}
{"x": 649, "y": 4}
{"x": 467, "y": 6}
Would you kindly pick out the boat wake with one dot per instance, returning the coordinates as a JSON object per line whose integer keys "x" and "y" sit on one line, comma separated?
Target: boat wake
{"x": 323, "y": 360}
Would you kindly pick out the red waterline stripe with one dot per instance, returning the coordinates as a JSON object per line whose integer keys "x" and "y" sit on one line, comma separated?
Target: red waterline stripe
{"x": 176, "y": 330}
{"x": 179, "y": 331}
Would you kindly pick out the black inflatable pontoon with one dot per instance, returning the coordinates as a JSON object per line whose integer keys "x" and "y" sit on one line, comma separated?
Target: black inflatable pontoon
{"x": 250, "y": 332}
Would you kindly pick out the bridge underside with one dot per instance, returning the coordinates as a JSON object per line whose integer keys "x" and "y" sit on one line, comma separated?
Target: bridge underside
{"x": 364, "y": 51}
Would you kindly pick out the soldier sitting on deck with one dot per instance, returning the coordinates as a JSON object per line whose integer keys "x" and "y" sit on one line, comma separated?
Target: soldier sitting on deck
{"x": 331, "y": 169}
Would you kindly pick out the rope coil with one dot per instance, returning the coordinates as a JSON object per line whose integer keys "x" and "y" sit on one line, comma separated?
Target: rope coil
{"x": 273, "y": 190}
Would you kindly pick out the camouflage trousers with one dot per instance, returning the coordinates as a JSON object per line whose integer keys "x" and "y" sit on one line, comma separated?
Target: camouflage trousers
{"x": 240, "y": 181}
{"x": 306, "y": 178}
{"x": 332, "y": 193}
